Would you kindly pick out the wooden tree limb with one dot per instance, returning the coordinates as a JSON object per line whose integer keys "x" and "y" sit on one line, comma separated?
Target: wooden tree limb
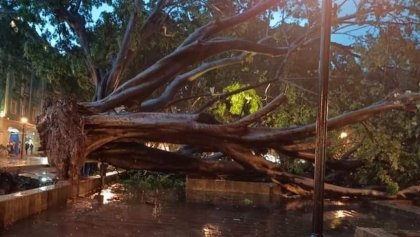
{"x": 351, "y": 151}
{"x": 347, "y": 165}
{"x": 126, "y": 54}
{"x": 164, "y": 99}
{"x": 181, "y": 80}
{"x": 105, "y": 130}
{"x": 413, "y": 190}
{"x": 77, "y": 23}
{"x": 161, "y": 127}
{"x": 118, "y": 66}
{"x": 137, "y": 156}
{"x": 197, "y": 97}
{"x": 154, "y": 20}
{"x": 245, "y": 121}
{"x": 298, "y": 147}
{"x": 76, "y": 6}
{"x": 143, "y": 85}
{"x": 395, "y": 101}
{"x": 247, "y": 159}
{"x": 220, "y": 25}
{"x": 225, "y": 95}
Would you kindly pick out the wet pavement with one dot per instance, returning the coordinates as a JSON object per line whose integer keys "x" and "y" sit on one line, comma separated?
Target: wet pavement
{"x": 12, "y": 163}
{"x": 120, "y": 214}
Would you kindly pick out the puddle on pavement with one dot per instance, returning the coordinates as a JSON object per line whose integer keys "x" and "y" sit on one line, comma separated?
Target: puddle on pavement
{"x": 161, "y": 213}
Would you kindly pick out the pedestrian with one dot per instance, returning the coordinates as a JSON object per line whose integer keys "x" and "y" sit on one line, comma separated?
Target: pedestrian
{"x": 13, "y": 148}
{"x": 10, "y": 148}
{"x": 26, "y": 148}
{"x": 31, "y": 148}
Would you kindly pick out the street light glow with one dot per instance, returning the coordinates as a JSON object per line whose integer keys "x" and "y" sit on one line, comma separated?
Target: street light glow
{"x": 23, "y": 120}
{"x": 343, "y": 135}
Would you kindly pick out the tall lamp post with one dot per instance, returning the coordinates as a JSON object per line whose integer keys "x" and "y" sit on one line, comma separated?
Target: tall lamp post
{"x": 321, "y": 124}
{"x": 23, "y": 120}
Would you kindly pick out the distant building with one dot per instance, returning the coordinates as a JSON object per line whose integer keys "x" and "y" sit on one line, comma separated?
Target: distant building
{"x": 21, "y": 97}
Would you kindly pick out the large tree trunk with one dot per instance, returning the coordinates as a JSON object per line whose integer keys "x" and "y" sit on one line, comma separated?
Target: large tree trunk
{"x": 71, "y": 132}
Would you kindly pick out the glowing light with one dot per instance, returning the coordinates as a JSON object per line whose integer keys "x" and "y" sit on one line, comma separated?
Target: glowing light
{"x": 339, "y": 214}
{"x": 108, "y": 195}
{"x": 343, "y": 135}
{"x": 44, "y": 179}
{"x": 211, "y": 231}
{"x": 19, "y": 194}
{"x": 338, "y": 203}
{"x": 2, "y": 114}
{"x": 23, "y": 120}
{"x": 12, "y": 130}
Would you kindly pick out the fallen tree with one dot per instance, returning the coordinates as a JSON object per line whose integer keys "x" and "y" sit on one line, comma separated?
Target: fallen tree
{"x": 119, "y": 139}
{"x": 126, "y": 114}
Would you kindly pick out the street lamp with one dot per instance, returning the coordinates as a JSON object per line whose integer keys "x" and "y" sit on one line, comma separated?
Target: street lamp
{"x": 321, "y": 123}
{"x": 23, "y": 120}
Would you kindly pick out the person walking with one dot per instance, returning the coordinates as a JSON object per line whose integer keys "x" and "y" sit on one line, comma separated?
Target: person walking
{"x": 31, "y": 148}
{"x": 26, "y": 148}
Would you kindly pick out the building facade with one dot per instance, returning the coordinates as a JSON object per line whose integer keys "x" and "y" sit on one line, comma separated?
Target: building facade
{"x": 21, "y": 99}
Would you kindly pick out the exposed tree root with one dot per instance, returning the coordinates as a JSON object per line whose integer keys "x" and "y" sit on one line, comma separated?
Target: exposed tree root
{"x": 61, "y": 129}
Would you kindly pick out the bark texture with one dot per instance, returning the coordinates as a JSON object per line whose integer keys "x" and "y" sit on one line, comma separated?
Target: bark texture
{"x": 63, "y": 138}
{"x": 72, "y": 131}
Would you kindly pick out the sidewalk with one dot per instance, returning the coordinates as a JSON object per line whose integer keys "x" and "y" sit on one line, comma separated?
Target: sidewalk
{"x": 13, "y": 163}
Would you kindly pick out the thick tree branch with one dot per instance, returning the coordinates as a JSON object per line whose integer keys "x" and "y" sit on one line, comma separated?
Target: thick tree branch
{"x": 298, "y": 146}
{"x": 161, "y": 127}
{"x": 75, "y": 7}
{"x": 182, "y": 79}
{"x": 121, "y": 61}
{"x": 137, "y": 156}
{"x": 171, "y": 89}
{"x": 77, "y": 23}
{"x": 247, "y": 159}
{"x": 220, "y": 25}
{"x": 413, "y": 190}
{"x": 154, "y": 20}
{"x": 143, "y": 85}
{"x": 347, "y": 165}
{"x": 351, "y": 151}
{"x": 245, "y": 121}
{"x": 92, "y": 133}
{"x": 395, "y": 101}
{"x": 225, "y": 95}
{"x": 126, "y": 54}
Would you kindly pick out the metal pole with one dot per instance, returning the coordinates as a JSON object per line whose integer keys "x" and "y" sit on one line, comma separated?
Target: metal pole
{"x": 321, "y": 124}
{"x": 23, "y": 141}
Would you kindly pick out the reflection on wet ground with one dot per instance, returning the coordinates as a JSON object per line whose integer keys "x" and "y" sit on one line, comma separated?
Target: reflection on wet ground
{"x": 117, "y": 214}
{"x": 27, "y": 161}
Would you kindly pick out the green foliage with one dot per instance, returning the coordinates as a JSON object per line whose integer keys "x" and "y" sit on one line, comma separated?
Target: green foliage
{"x": 387, "y": 61}
{"x": 295, "y": 166}
{"x": 152, "y": 180}
{"x": 240, "y": 104}
{"x": 297, "y": 111}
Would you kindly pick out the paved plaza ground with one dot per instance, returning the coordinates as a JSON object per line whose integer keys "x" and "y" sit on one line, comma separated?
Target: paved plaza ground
{"x": 12, "y": 163}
